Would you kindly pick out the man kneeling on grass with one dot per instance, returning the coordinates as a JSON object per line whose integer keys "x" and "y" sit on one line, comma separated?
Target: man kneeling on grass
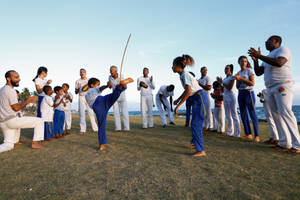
{"x": 10, "y": 122}
{"x": 101, "y": 104}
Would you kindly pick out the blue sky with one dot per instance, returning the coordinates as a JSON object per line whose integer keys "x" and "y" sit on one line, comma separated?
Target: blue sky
{"x": 67, "y": 35}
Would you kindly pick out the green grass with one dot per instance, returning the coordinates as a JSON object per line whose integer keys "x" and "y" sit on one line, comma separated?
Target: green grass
{"x": 148, "y": 164}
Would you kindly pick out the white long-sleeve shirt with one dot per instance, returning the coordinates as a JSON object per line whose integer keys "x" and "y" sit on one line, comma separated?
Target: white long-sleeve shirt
{"x": 145, "y": 91}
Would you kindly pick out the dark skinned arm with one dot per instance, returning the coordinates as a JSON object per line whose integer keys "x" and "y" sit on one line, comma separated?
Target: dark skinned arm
{"x": 161, "y": 100}
{"x": 171, "y": 101}
{"x": 205, "y": 87}
{"x": 185, "y": 95}
{"x": 19, "y": 106}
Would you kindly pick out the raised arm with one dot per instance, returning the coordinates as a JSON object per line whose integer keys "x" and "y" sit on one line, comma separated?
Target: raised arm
{"x": 185, "y": 95}
{"x": 19, "y": 106}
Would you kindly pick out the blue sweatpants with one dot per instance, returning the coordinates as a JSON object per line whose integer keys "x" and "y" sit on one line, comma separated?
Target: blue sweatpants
{"x": 198, "y": 101}
{"x": 48, "y": 130}
{"x": 38, "y": 113}
{"x": 101, "y": 107}
{"x": 188, "y": 106}
{"x": 246, "y": 101}
{"x": 58, "y": 121}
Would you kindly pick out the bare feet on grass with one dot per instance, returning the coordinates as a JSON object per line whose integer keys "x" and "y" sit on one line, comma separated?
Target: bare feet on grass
{"x": 17, "y": 144}
{"x": 199, "y": 154}
{"x": 192, "y": 147}
{"x": 36, "y": 145}
{"x": 256, "y": 139}
{"x": 295, "y": 151}
{"x": 101, "y": 147}
{"x": 247, "y": 137}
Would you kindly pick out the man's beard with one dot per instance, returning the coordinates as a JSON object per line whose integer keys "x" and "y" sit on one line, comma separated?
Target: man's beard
{"x": 15, "y": 84}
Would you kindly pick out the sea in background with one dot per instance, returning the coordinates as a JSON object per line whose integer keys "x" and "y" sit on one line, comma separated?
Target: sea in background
{"x": 259, "y": 111}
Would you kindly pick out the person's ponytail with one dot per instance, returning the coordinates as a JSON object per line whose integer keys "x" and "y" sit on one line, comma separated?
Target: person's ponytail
{"x": 39, "y": 71}
{"x": 183, "y": 61}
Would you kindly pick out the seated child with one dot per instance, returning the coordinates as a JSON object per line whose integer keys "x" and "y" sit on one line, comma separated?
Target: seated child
{"x": 59, "y": 113}
{"x": 219, "y": 114}
{"x": 101, "y": 104}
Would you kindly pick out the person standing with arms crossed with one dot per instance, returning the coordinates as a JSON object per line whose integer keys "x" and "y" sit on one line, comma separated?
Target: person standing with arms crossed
{"x": 276, "y": 68}
{"x": 82, "y": 104}
{"x": 145, "y": 84}
{"x": 206, "y": 83}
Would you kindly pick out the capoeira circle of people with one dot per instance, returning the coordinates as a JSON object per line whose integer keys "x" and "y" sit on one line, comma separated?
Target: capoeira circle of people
{"x": 54, "y": 113}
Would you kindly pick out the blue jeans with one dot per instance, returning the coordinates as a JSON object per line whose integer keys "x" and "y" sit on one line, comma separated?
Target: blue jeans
{"x": 246, "y": 101}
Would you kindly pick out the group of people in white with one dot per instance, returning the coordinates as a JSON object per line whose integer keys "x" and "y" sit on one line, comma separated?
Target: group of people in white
{"x": 54, "y": 113}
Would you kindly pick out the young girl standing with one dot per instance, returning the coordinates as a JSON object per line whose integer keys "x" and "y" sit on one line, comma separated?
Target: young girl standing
{"x": 246, "y": 97}
{"x": 230, "y": 103}
{"x": 198, "y": 100}
{"x": 40, "y": 81}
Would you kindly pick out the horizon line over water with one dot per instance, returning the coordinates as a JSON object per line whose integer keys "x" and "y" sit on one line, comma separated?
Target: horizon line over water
{"x": 259, "y": 112}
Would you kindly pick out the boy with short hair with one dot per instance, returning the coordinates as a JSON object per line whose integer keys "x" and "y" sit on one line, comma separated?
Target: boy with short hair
{"x": 47, "y": 113}
{"x": 59, "y": 114}
{"x": 68, "y": 98}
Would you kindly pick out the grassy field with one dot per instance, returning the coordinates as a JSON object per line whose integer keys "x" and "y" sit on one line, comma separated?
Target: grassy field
{"x": 148, "y": 164}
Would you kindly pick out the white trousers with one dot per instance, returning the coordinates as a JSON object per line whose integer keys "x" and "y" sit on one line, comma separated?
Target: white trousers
{"x": 147, "y": 101}
{"x": 11, "y": 130}
{"x": 121, "y": 106}
{"x": 281, "y": 108}
{"x": 68, "y": 120}
{"x": 269, "y": 116}
{"x": 230, "y": 106}
{"x": 219, "y": 119}
{"x": 83, "y": 106}
{"x": 208, "y": 121}
{"x": 162, "y": 111}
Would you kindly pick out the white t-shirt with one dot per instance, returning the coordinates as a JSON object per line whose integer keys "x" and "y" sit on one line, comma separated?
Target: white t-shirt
{"x": 47, "y": 109}
{"x": 116, "y": 82}
{"x": 82, "y": 83}
{"x": 227, "y": 81}
{"x": 41, "y": 83}
{"x": 205, "y": 81}
{"x": 188, "y": 79}
{"x": 277, "y": 75}
{"x": 8, "y": 97}
{"x": 145, "y": 91}
{"x": 92, "y": 95}
{"x": 67, "y": 101}
{"x": 163, "y": 91}
{"x": 61, "y": 106}
{"x": 245, "y": 74}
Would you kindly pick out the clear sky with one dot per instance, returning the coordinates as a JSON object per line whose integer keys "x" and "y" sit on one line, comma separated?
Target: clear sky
{"x": 67, "y": 35}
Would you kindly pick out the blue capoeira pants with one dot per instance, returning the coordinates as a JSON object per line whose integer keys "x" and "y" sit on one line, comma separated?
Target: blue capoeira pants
{"x": 246, "y": 101}
{"x": 48, "y": 130}
{"x": 198, "y": 101}
{"x": 101, "y": 107}
{"x": 38, "y": 113}
{"x": 188, "y": 106}
{"x": 58, "y": 121}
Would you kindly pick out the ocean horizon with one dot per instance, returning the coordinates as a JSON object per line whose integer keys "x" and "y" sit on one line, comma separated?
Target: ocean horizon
{"x": 259, "y": 112}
